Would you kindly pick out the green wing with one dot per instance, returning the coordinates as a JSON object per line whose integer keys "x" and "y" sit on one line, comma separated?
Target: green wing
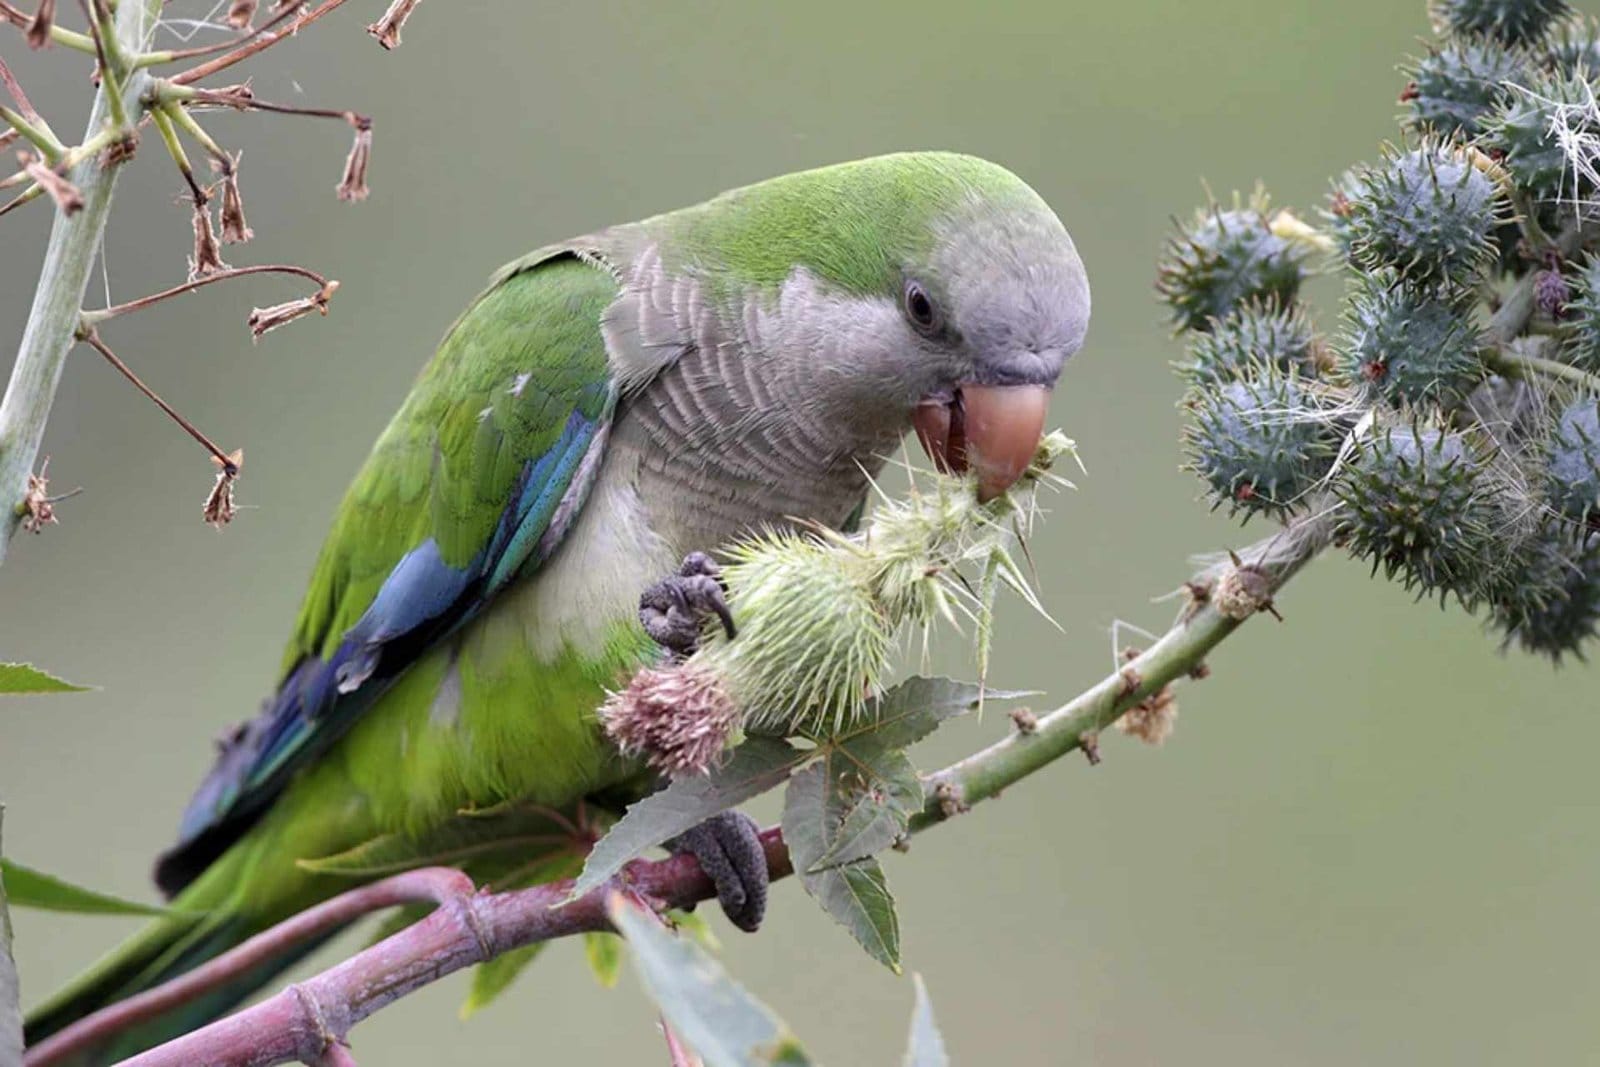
{"x": 474, "y": 482}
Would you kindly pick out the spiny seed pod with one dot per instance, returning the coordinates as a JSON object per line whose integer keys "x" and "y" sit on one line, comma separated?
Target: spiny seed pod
{"x": 1573, "y": 464}
{"x": 1521, "y": 132}
{"x": 1420, "y": 506}
{"x": 1408, "y": 345}
{"x": 1225, "y": 258}
{"x": 1583, "y": 309}
{"x": 813, "y": 642}
{"x": 1456, "y": 85}
{"x": 1261, "y": 444}
{"x": 1512, "y": 22}
{"x": 1574, "y": 46}
{"x": 1551, "y": 603}
{"x": 1426, "y": 214}
{"x": 1256, "y": 334}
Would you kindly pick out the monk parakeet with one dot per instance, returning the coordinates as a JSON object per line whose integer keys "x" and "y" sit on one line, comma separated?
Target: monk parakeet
{"x": 610, "y": 406}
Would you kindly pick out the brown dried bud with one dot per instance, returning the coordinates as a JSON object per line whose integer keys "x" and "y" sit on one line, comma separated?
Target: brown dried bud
{"x": 679, "y": 719}
{"x": 264, "y": 320}
{"x": 1243, "y": 591}
{"x": 1151, "y": 720}
{"x": 240, "y": 13}
{"x": 122, "y": 149}
{"x": 220, "y": 508}
{"x": 1025, "y": 721}
{"x": 387, "y": 29}
{"x": 38, "y": 509}
{"x": 239, "y": 97}
{"x": 207, "y": 258}
{"x": 234, "y": 228}
{"x": 43, "y": 21}
{"x": 353, "y": 186}
{"x": 63, "y": 192}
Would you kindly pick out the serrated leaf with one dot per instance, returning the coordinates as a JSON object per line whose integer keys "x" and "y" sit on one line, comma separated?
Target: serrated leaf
{"x": 871, "y": 796}
{"x": 711, "y": 1013}
{"x": 755, "y": 766}
{"x": 515, "y": 833}
{"x": 604, "y": 953}
{"x": 24, "y": 679}
{"x": 855, "y": 894}
{"x": 493, "y": 977}
{"x": 918, "y": 706}
{"x": 28, "y": 888}
{"x": 10, "y": 988}
{"x": 925, "y": 1048}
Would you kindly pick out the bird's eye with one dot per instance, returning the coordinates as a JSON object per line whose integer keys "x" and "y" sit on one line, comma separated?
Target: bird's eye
{"x": 919, "y": 308}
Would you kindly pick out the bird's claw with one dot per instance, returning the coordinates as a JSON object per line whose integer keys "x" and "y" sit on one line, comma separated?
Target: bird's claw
{"x": 675, "y": 608}
{"x": 728, "y": 847}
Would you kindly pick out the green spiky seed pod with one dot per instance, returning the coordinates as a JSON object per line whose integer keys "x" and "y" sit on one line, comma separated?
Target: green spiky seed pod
{"x": 1256, "y": 334}
{"x": 1420, "y": 506}
{"x": 1225, "y": 258}
{"x": 1513, "y": 22}
{"x": 1409, "y": 346}
{"x": 813, "y": 641}
{"x": 1583, "y": 309}
{"x": 1521, "y": 133}
{"x": 1574, "y": 46}
{"x": 1455, "y": 86}
{"x": 1426, "y": 214}
{"x": 1573, "y": 460}
{"x": 1551, "y": 604}
{"x": 1261, "y": 444}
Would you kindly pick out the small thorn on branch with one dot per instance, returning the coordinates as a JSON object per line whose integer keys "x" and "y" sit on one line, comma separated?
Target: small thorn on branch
{"x": 44, "y": 21}
{"x": 66, "y": 195}
{"x": 1089, "y": 741}
{"x": 387, "y": 29}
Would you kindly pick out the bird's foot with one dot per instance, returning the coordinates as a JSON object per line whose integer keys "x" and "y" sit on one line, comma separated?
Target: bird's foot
{"x": 728, "y": 847}
{"x": 675, "y": 608}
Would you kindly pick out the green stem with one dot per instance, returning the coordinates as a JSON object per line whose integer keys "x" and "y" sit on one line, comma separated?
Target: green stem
{"x": 63, "y": 280}
{"x": 1177, "y": 655}
{"x": 1517, "y": 365}
{"x": 39, "y": 136}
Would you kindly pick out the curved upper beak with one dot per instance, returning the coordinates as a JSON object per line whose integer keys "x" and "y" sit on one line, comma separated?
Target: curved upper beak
{"x": 993, "y": 430}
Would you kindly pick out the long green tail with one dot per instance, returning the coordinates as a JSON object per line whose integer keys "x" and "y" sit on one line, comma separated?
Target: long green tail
{"x": 206, "y": 922}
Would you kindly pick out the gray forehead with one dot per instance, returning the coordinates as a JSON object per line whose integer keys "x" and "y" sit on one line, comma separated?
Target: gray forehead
{"x": 1012, "y": 277}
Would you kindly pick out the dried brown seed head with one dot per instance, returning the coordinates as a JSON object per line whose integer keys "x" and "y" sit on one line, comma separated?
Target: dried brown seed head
{"x": 679, "y": 719}
{"x": 66, "y": 195}
{"x": 353, "y": 186}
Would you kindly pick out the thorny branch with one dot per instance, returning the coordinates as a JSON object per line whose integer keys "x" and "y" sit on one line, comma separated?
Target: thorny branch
{"x": 78, "y": 179}
{"x": 303, "y": 1022}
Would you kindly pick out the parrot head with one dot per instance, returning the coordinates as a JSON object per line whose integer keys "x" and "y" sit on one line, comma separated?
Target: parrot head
{"x": 921, "y": 290}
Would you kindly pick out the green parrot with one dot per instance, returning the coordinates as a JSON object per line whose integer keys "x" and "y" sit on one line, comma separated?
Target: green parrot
{"x": 607, "y": 409}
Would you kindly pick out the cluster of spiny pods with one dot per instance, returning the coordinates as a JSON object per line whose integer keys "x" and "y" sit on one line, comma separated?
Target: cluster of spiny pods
{"x": 1448, "y": 429}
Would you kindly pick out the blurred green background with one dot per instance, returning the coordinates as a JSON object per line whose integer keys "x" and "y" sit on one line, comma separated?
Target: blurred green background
{"x": 1372, "y": 838}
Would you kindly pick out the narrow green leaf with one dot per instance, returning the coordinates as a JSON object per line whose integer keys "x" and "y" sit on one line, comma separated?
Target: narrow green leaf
{"x": 759, "y": 764}
{"x": 720, "y": 1022}
{"x": 855, "y": 894}
{"x": 493, "y": 977}
{"x": 693, "y": 925}
{"x": 925, "y": 1048}
{"x": 24, "y": 679}
{"x": 604, "y": 952}
{"x": 518, "y": 834}
{"x": 10, "y": 989}
{"x": 29, "y": 888}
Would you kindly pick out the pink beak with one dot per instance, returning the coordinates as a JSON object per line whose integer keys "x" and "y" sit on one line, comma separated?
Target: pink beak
{"x": 993, "y": 430}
